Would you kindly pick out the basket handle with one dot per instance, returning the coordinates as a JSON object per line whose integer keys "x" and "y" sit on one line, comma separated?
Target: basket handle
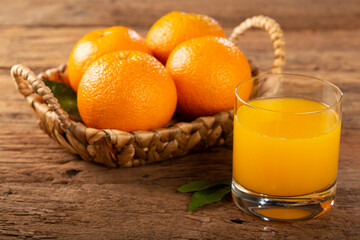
{"x": 27, "y": 83}
{"x": 276, "y": 35}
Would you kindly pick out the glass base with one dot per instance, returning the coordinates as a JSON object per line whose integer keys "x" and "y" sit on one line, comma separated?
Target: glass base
{"x": 284, "y": 209}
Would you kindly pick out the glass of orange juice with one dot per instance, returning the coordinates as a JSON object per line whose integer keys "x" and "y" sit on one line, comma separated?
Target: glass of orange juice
{"x": 286, "y": 146}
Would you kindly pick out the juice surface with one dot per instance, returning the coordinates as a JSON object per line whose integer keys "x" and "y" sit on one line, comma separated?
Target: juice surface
{"x": 285, "y": 151}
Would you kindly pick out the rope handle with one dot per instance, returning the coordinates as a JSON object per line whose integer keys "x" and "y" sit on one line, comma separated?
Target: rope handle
{"x": 28, "y": 83}
{"x": 276, "y": 35}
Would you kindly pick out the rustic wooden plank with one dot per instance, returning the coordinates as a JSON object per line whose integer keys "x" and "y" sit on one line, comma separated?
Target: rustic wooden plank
{"x": 124, "y": 211}
{"x": 80, "y": 194}
{"x": 43, "y": 48}
{"x": 291, "y": 14}
{"x": 74, "y": 195}
{"x": 48, "y": 193}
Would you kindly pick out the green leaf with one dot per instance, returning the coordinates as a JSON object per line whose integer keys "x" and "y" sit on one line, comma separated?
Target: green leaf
{"x": 206, "y": 192}
{"x": 201, "y": 185}
{"x": 207, "y": 196}
{"x": 65, "y": 95}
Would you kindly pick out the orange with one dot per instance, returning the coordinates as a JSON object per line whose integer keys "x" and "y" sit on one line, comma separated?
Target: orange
{"x": 97, "y": 43}
{"x": 177, "y": 27}
{"x": 126, "y": 90}
{"x": 206, "y": 71}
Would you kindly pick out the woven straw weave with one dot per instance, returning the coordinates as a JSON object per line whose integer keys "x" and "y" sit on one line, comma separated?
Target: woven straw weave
{"x": 126, "y": 149}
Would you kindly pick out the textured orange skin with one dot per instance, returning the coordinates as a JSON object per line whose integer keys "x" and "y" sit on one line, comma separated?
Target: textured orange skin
{"x": 97, "y": 43}
{"x": 126, "y": 90}
{"x": 177, "y": 27}
{"x": 206, "y": 71}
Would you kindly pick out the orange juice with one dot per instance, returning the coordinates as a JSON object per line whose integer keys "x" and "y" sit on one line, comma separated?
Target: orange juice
{"x": 285, "y": 146}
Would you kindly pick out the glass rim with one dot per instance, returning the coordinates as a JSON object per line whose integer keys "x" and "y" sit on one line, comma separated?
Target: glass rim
{"x": 290, "y": 74}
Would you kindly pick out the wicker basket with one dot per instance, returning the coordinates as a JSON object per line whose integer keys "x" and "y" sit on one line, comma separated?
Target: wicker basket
{"x": 126, "y": 149}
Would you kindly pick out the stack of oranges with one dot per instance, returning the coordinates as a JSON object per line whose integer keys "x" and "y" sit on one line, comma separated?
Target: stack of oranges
{"x": 129, "y": 83}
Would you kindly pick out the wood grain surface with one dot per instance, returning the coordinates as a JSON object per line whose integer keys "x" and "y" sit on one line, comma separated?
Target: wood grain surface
{"x": 47, "y": 193}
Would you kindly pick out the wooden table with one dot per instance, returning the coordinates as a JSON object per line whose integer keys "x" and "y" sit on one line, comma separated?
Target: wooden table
{"x": 47, "y": 193}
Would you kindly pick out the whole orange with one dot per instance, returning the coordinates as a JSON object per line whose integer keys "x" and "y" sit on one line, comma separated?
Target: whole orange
{"x": 97, "y": 43}
{"x": 126, "y": 90}
{"x": 177, "y": 27}
{"x": 206, "y": 71}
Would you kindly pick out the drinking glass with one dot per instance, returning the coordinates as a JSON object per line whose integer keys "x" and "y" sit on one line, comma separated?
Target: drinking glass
{"x": 286, "y": 146}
